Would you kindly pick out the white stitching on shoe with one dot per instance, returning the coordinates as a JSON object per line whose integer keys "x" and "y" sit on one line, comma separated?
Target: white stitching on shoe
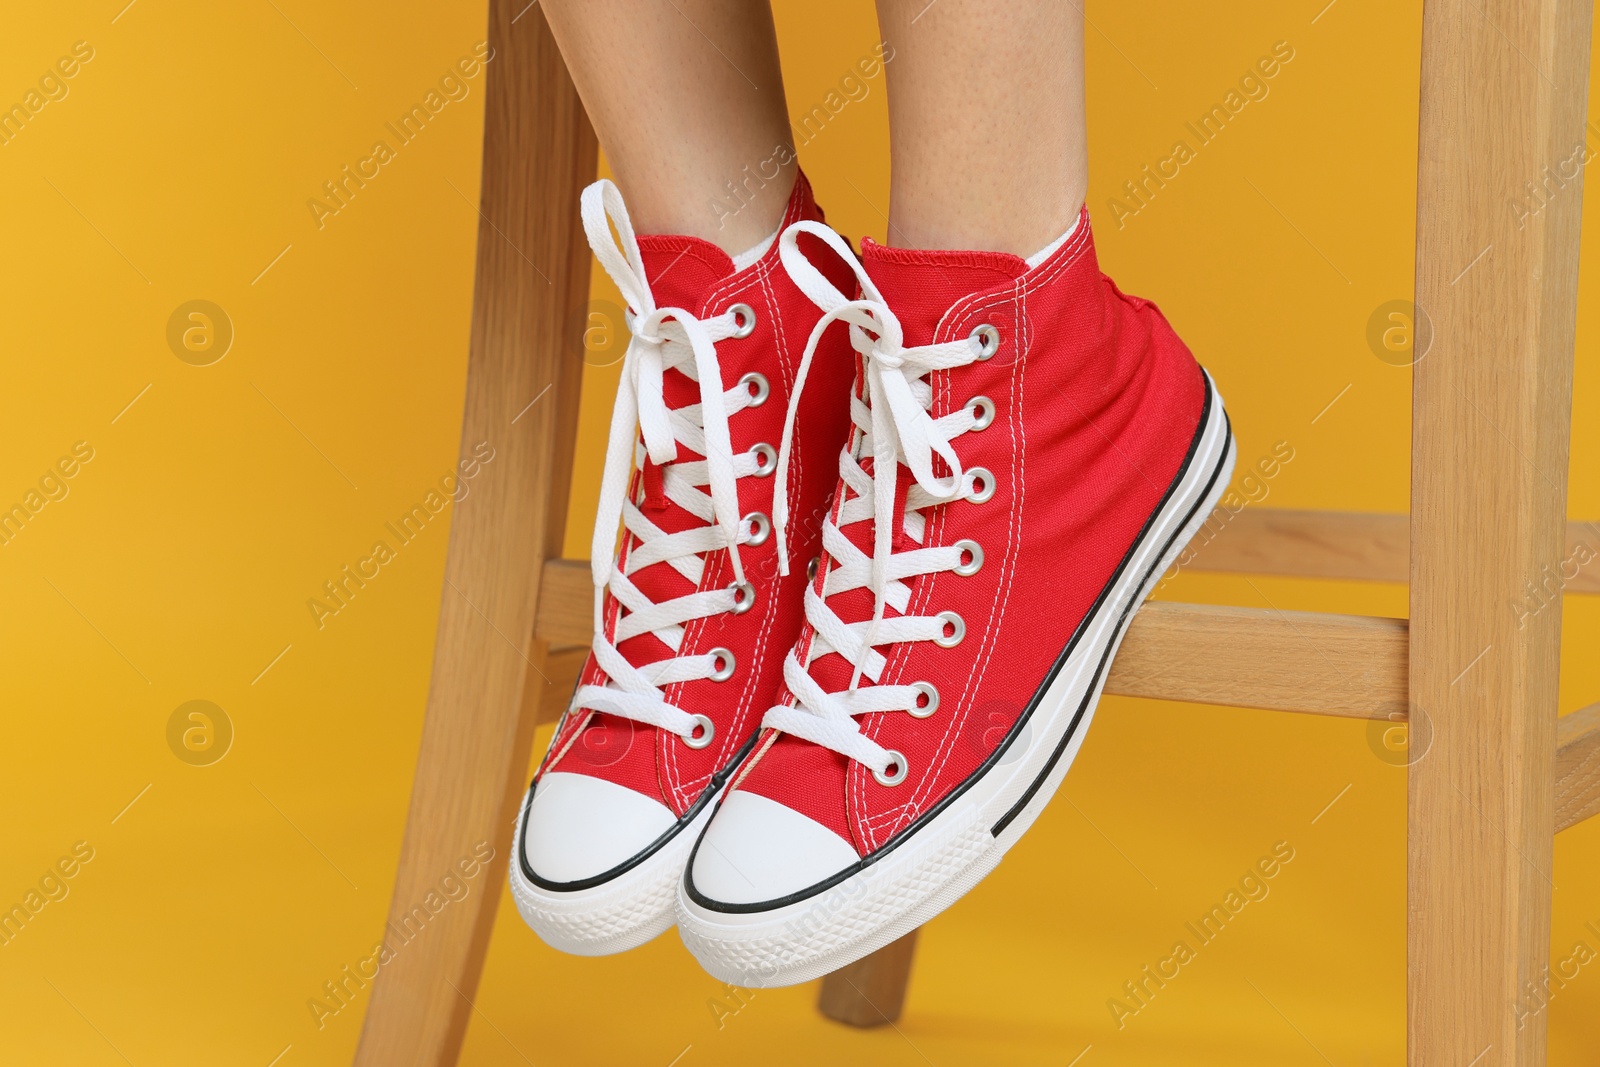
{"x": 662, "y": 339}
{"x": 895, "y": 424}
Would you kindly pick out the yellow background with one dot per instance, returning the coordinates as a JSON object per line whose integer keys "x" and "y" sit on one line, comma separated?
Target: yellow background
{"x": 178, "y": 566}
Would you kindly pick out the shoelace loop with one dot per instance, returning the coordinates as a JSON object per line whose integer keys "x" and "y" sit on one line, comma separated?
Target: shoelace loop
{"x": 661, "y": 339}
{"x": 894, "y": 427}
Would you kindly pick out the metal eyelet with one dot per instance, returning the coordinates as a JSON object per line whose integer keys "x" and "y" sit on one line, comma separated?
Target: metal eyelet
{"x": 760, "y": 527}
{"x": 811, "y": 568}
{"x": 744, "y": 320}
{"x": 901, "y": 769}
{"x": 977, "y": 475}
{"x": 958, "y": 626}
{"x": 708, "y": 730}
{"x": 744, "y": 597}
{"x": 988, "y": 339}
{"x": 729, "y": 664}
{"x": 766, "y": 459}
{"x": 982, "y": 409}
{"x": 932, "y": 694}
{"x": 972, "y": 566}
{"x": 763, "y": 388}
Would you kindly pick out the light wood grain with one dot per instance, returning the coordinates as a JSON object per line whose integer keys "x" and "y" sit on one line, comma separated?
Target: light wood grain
{"x": 566, "y": 610}
{"x": 872, "y": 990}
{"x": 1503, "y": 97}
{"x": 1363, "y": 546}
{"x": 1305, "y": 544}
{"x": 552, "y": 677}
{"x": 1247, "y": 657}
{"x": 531, "y": 283}
{"x": 1578, "y": 767}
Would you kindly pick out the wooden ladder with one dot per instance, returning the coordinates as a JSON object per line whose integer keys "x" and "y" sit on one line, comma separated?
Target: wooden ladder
{"x": 1504, "y": 91}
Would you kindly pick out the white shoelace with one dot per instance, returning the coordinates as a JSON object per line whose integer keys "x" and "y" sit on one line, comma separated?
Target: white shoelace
{"x": 642, "y": 426}
{"x": 893, "y": 427}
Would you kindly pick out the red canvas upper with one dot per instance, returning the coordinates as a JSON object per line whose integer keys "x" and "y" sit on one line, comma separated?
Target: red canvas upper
{"x": 1096, "y": 403}
{"x": 695, "y": 275}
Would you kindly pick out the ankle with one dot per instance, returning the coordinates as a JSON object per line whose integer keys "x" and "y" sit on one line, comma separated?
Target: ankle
{"x": 739, "y": 216}
{"x": 1031, "y": 238}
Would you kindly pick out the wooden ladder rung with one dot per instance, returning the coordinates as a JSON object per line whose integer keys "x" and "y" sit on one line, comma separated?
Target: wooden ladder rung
{"x": 1345, "y": 665}
{"x": 1244, "y": 657}
{"x": 1350, "y": 665}
{"x": 1577, "y": 767}
{"x": 1355, "y": 545}
{"x": 566, "y": 608}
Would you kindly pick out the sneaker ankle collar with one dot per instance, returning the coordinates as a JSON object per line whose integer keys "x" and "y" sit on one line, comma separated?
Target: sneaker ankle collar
{"x": 921, "y": 284}
{"x": 683, "y": 269}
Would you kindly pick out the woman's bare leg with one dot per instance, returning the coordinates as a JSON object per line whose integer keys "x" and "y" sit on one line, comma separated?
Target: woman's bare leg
{"x": 986, "y": 122}
{"x": 684, "y": 95}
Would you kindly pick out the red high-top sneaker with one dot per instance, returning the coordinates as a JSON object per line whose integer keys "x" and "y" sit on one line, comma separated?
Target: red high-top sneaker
{"x": 692, "y": 617}
{"x": 1031, "y": 450}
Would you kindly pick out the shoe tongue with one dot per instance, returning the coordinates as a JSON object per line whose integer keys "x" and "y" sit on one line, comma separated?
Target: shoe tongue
{"x": 920, "y": 286}
{"x": 682, "y": 270}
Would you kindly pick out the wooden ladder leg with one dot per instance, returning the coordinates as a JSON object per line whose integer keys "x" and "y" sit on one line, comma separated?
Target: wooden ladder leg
{"x": 522, "y": 392}
{"x": 872, "y": 990}
{"x": 1504, "y": 89}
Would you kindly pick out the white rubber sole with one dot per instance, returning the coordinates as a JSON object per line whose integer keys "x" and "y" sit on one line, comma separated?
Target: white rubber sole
{"x": 943, "y": 859}
{"x": 621, "y": 913}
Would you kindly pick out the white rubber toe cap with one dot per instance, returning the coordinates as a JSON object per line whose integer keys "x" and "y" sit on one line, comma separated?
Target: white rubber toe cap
{"x": 580, "y": 826}
{"x": 757, "y": 850}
